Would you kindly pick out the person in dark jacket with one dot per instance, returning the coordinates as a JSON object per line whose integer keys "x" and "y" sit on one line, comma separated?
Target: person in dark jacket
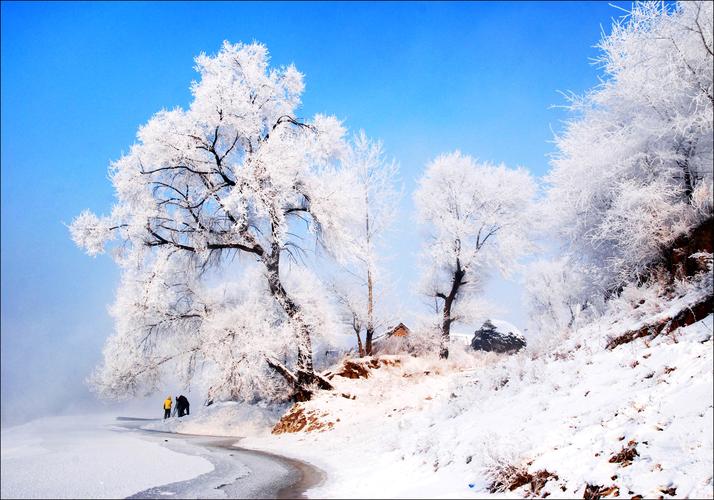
{"x": 182, "y": 405}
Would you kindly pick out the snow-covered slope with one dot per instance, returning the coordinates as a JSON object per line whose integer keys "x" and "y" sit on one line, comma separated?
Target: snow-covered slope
{"x": 635, "y": 420}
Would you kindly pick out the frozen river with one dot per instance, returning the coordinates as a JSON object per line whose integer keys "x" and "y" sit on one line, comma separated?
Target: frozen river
{"x": 102, "y": 456}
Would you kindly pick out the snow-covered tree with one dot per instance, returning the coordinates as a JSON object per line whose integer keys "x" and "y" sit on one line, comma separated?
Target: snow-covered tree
{"x": 375, "y": 184}
{"x": 556, "y": 294}
{"x": 236, "y": 175}
{"x": 633, "y": 169}
{"x": 476, "y": 218}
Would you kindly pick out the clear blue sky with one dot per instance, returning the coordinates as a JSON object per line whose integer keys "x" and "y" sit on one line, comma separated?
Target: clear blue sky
{"x": 79, "y": 78}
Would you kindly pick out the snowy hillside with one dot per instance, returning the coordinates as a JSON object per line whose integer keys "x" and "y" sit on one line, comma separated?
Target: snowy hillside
{"x": 635, "y": 420}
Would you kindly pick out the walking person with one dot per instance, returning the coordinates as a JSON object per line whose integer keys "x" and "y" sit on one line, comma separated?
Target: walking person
{"x": 183, "y": 405}
{"x": 167, "y": 407}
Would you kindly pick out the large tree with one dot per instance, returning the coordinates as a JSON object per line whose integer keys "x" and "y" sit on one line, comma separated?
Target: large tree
{"x": 476, "y": 219}
{"x": 633, "y": 169}
{"x": 235, "y": 174}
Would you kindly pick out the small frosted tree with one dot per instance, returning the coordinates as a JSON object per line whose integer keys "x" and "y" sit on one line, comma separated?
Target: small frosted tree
{"x": 236, "y": 175}
{"x": 375, "y": 185}
{"x": 556, "y": 294}
{"x": 476, "y": 219}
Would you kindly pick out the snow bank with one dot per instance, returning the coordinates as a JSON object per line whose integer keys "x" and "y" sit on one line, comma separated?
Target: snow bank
{"x": 222, "y": 419}
{"x": 87, "y": 456}
{"x": 426, "y": 428}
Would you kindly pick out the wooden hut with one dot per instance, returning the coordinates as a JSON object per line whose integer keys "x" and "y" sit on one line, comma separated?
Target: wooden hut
{"x": 393, "y": 341}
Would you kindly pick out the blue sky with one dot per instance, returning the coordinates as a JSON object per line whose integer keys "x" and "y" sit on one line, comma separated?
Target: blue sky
{"x": 79, "y": 78}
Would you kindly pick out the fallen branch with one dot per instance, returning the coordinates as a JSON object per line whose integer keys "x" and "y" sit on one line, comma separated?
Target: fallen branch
{"x": 302, "y": 382}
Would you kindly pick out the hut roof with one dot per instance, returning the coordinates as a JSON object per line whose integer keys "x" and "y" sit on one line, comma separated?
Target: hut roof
{"x": 401, "y": 330}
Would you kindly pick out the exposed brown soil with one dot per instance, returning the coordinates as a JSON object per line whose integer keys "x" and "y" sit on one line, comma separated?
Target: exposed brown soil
{"x": 360, "y": 368}
{"x": 299, "y": 419}
{"x": 677, "y": 258}
{"x": 351, "y": 369}
{"x": 685, "y": 317}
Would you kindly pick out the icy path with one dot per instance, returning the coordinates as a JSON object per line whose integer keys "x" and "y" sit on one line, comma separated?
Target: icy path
{"x": 237, "y": 473}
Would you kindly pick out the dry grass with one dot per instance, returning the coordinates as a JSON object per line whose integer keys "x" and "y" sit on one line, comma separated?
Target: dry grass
{"x": 595, "y": 492}
{"x": 626, "y": 455}
{"x": 360, "y": 368}
{"x": 509, "y": 477}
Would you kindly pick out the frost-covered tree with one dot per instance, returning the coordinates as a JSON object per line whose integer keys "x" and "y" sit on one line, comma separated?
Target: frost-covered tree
{"x": 237, "y": 175}
{"x": 376, "y": 186}
{"x": 633, "y": 169}
{"x": 555, "y": 292}
{"x": 476, "y": 218}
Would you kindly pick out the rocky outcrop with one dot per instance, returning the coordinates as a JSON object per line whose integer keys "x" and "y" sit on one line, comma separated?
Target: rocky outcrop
{"x": 491, "y": 338}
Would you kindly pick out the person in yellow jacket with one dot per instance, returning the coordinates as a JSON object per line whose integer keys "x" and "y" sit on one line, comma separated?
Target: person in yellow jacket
{"x": 167, "y": 407}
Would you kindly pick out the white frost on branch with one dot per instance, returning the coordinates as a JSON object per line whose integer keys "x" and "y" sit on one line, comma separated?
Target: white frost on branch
{"x": 633, "y": 169}
{"x": 476, "y": 213}
{"x": 362, "y": 286}
{"x": 477, "y": 217}
{"x": 90, "y": 232}
{"x": 237, "y": 179}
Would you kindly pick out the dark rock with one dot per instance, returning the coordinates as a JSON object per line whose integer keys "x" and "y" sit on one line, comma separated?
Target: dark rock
{"x": 490, "y": 338}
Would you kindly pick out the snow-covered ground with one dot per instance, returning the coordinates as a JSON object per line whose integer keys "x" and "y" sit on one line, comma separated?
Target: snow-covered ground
{"x": 423, "y": 428}
{"x": 87, "y": 456}
{"x": 222, "y": 419}
{"x": 635, "y": 420}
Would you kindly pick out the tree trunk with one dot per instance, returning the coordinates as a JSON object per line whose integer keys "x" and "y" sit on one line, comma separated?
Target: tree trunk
{"x": 369, "y": 336}
{"x": 301, "y": 391}
{"x": 445, "y": 330}
{"x": 687, "y": 172}
{"x": 360, "y": 347}
{"x": 305, "y": 376}
{"x": 370, "y": 313}
{"x": 456, "y": 283}
{"x": 370, "y": 282}
{"x": 357, "y": 326}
